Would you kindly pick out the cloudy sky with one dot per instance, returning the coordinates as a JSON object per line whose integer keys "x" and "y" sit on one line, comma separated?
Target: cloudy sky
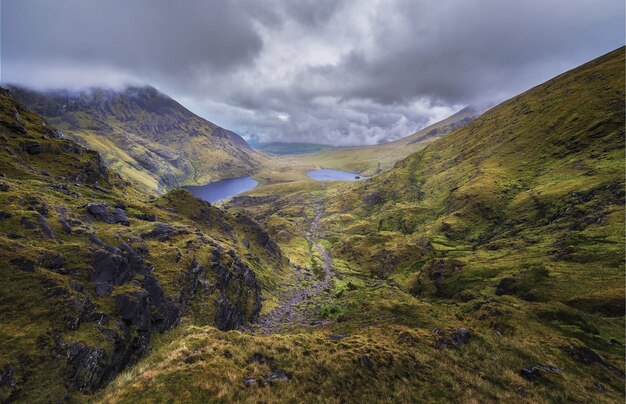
{"x": 341, "y": 72}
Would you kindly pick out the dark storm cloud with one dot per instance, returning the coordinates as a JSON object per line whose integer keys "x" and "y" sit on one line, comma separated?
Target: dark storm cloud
{"x": 340, "y": 72}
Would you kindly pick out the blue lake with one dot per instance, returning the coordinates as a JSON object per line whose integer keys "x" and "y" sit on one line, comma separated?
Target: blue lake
{"x": 328, "y": 174}
{"x": 222, "y": 189}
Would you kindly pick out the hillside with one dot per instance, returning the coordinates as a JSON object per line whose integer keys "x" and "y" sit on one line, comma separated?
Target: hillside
{"x": 369, "y": 160}
{"x": 487, "y": 267}
{"x": 93, "y": 271}
{"x": 144, "y": 135}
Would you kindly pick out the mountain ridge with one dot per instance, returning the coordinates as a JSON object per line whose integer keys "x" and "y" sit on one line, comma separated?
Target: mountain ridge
{"x": 145, "y": 135}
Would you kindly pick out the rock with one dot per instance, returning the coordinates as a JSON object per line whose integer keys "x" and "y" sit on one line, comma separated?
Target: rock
{"x": 24, "y": 264}
{"x": 529, "y": 296}
{"x": 32, "y": 147}
{"x": 461, "y": 336}
{"x": 4, "y": 215}
{"x": 65, "y": 227}
{"x": 506, "y": 287}
{"x": 277, "y": 376}
{"x": 52, "y": 260}
{"x": 249, "y": 382}
{"x": 88, "y": 366}
{"x": 102, "y": 212}
{"x": 148, "y": 217}
{"x": 366, "y": 361}
{"x": 165, "y": 314}
{"x": 134, "y": 309}
{"x": 45, "y": 227}
{"x": 406, "y": 338}
{"x": 164, "y": 232}
{"x": 242, "y": 303}
{"x": 103, "y": 289}
{"x": 4, "y": 187}
{"x": 119, "y": 216}
{"x": 534, "y": 373}
{"x": 337, "y": 337}
{"x": 599, "y": 387}
{"x": 27, "y": 223}
{"x": 586, "y": 356}
{"x": 6, "y": 377}
{"x": 117, "y": 265}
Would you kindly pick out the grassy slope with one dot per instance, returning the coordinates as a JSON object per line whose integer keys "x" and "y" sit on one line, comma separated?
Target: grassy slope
{"x": 36, "y": 306}
{"x": 146, "y": 136}
{"x": 531, "y": 192}
{"x": 370, "y": 160}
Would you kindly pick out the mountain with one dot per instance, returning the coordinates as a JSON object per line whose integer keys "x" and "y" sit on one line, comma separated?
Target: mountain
{"x": 290, "y": 148}
{"x": 92, "y": 269}
{"x": 144, "y": 135}
{"x": 369, "y": 160}
{"x": 487, "y": 267}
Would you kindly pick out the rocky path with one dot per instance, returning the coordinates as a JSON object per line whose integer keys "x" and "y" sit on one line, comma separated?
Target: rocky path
{"x": 298, "y": 306}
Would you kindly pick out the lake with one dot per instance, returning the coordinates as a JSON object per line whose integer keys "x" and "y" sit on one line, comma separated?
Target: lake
{"x": 328, "y": 174}
{"x": 222, "y": 189}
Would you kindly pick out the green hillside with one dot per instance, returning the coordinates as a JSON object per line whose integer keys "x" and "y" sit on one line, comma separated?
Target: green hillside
{"x": 93, "y": 271}
{"x": 145, "y": 136}
{"x": 488, "y": 267}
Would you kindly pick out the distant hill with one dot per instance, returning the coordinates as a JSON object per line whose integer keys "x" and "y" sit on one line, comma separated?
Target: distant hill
{"x": 290, "y": 148}
{"x": 369, "y": 160}
{"x": 145, "y": 135}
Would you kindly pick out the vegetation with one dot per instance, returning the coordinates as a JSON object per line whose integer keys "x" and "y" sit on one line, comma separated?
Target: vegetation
{"x": 145, "y": 136}
{"x": 487, "y": 266}
{"x": 92, "y": 268}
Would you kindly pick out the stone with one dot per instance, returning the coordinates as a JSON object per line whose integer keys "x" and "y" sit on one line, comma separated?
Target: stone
{"x": 506, "y": 286}
{"x": 88, "y": 366}
{"x": 45, "y": 227}
{"x": 32, "y": 147}
{"x": 461, "y": 336}
{"x": 534, "y": 373}
{"x": 24, "y": 264}
{"x": 148, "y": 217}
{"x": 102, "y": 212}
{"x": 4, "y": 215}
{"x": 277, "y": 376}
{"x": 6, "y": 377}
{"x": 27, "y": 223}
{"x": 4, "y": 187}
{"x": 134, "y": 310}
{"x": 103, "y": 289}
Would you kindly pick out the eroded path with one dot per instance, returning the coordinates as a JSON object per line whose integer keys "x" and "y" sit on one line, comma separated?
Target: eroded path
{"x": 299, "y": 307}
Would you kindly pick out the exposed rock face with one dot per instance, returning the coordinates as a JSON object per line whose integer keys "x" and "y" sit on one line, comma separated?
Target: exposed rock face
{"x": 103, "y": 212}
{"x": 240, "y": 294}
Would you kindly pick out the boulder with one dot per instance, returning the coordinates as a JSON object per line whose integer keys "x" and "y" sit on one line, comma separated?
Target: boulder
{"x": 103, "y": 212}
{"x": 88, "y": 366}
{"x": 535, "y": 372}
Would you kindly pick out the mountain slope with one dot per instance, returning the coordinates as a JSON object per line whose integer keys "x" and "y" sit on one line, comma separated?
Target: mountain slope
{"x": 92, "y": 270}
{"x": 145, "y": 135}
{"x": 488, "y": 267}
{"x": 369, "y": 160}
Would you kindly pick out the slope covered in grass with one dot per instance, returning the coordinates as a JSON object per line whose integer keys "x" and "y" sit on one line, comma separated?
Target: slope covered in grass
{"x": 92, "y": 269}
{"x": 145, "y": 136}
{"x": 488, "y": 267}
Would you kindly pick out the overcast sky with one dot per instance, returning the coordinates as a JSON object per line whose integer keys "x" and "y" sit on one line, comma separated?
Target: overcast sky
{"x": 342, "y": 72}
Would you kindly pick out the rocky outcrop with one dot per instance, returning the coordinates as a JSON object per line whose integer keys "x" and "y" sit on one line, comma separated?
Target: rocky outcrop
{"x": 103, "y": 212}
{"x": 239, "y": 292}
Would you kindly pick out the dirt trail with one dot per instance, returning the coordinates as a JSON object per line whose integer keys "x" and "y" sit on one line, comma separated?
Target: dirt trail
{"x": 298, "y": 306}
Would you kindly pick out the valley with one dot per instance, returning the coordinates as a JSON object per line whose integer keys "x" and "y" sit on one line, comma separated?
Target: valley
{"x": 480, "y": 259}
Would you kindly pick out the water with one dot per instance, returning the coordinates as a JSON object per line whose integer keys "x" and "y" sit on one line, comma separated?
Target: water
{"x": 222, "y": 189}
{"x": 328, "y": 174}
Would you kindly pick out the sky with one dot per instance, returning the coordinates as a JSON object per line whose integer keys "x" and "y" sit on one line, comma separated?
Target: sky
{"x": 340, "y": 72}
